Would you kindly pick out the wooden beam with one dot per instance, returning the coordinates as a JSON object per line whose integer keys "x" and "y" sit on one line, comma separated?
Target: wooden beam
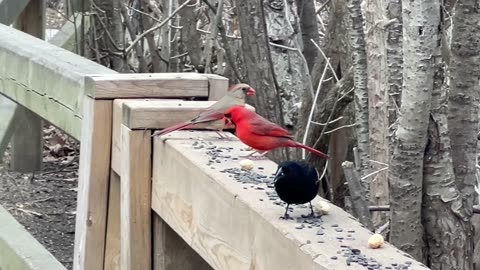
{"x": 158, "y": 114}
{"x": 112, "y": 245}
{"x": 27, "y": 143}
{"x": 93, "y": 181}
{"x": 235, "y": 225}
{"x": 19, "y": 250}
{"x": 8, "y": 111}
{"x": 45, "y": 78}
{"x": 154, "y": 85}
{"x": 135, "y": 205}
{"x": 10, "y": 9}
{"x": 170, "y": 252}
{"x": 152, "y": 114}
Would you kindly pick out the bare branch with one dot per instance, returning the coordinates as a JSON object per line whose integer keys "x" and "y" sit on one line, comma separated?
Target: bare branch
{"x": 357, "y": 193}
{"x": 129, "y": 48}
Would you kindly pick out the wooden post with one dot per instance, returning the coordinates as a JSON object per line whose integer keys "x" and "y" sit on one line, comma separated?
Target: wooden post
{"x": 135, "y": 203}
{"x": 171, "y": 252}
{"x": 93, "y": 181}
{"x": 27, "y": 143}
{"x": 112, "y": 245}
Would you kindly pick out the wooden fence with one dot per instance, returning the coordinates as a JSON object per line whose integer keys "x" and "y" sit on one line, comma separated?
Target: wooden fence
{"x": 174, "y": 202}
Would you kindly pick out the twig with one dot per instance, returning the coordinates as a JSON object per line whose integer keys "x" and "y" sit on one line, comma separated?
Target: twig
{"x": 129, "y": 48}
{"x": 357, "y": 195}
{"x": 141, "y": 12}
{"x": 340, "y": 127}
{"x": 326, "y": 59}
{"x": 375, "y": 172}
{"x": 382, "y": 228}
{"x": 312, "y": 109}
{"x": 328, "y": 123}
{"x": 384, "y": 208}
{"x": 378, "y": 162}
{"x": 131, "y": 31}
{"x": 322, "y": 6}
{"x": 28, "y": 212}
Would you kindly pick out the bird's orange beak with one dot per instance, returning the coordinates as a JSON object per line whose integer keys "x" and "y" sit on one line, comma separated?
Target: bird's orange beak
{"x": 251, "y": 92}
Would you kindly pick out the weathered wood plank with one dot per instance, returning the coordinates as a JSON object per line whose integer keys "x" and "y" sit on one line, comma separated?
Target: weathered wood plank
{"x": 235, "y": 225}
{"x": 45, "y": 78}
{"x": 112, "y": 245}
{"x": 154, "y": 85}
{"x": 27, "y": 143}
{"x": 135, "y": 203}
{"x": 8, "y": 111}
{"x": 21, "y": 251}
{"x": 218, "y": 86}
{"x": 170, "y": 252}
{"x": 93, "y": 184}
{"x": 158, "y": 114}
{"x": 10, "y": 9}
{"x": 152, "y": 114}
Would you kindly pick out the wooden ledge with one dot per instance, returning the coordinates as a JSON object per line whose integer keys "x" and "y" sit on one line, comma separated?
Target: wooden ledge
{"x": 19, "y": 250}
{"x": 235, "y": 225}
{"x": 155, "y": 85}
{"x": 152, "y": 114}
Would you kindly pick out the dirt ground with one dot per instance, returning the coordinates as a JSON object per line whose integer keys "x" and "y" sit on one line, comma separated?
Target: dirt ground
{"x": 45, "y": 202}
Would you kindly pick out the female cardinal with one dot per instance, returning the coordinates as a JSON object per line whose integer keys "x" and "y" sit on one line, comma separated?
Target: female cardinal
{"x": 235, "y": 96}
{"x": 261, "y": 134}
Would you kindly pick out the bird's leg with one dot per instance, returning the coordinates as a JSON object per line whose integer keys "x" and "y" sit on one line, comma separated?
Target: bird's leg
{"x": 260, "y": 156}
{"x": 312, "y": 214}
{"x": 222, "y": 135}
{"x": 286, "y": 216}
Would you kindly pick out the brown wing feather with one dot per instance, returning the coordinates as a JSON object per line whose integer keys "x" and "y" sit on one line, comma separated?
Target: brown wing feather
{"x": 262, "y": 126}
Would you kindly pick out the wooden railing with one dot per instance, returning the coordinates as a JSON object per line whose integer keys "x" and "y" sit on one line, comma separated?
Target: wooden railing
{"x": 203, "y": 218}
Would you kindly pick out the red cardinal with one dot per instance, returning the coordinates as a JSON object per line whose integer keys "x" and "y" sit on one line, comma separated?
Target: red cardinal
{"x": 261, "y": 134}
{"x": 235, "y": 96}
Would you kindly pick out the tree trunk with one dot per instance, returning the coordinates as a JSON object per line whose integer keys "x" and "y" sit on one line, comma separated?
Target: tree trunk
{"x": 421, "y": 22}
{"x": 258, "y": 64}
{"x": 463, "y": 102}
{"x": 309, "y": 27}
{"x": 449, "y": 238}
{"x": 360, "y": 78}
{"x": 377, "y": 101}
{"x": 191, "y": 37}
{"x": 289, "y": 65}
{"x": 113, "y": 41}
{"x": 394, "y": 58}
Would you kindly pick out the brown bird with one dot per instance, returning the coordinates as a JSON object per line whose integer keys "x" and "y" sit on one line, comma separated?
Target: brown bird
{"x": 235, "y": 96}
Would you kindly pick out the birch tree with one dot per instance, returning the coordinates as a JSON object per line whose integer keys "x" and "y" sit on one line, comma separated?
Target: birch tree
{"x": 359, "y": 57}
{"x": 377, "y": 102}
{"x": 421, "y": 21}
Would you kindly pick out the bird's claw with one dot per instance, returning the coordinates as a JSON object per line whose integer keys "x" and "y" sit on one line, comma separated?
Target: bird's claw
{"x": 286, "y": 217}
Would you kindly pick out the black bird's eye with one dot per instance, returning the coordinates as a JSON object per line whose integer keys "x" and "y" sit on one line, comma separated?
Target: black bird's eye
{"x": 228, "y": 115}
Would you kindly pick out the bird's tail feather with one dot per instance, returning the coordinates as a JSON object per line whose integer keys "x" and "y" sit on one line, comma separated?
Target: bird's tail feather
{"x": 172, "y": 128}
{"x": 313, "y": 150}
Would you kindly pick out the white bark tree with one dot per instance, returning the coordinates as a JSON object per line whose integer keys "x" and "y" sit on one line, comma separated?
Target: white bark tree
{"x": 377, "y": 103}
{"x": 421, "y": 20}
{"x": 360, "y": 78}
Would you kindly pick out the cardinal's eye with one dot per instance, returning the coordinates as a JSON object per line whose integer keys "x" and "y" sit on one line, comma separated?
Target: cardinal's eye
{"x": 228, "y": 115}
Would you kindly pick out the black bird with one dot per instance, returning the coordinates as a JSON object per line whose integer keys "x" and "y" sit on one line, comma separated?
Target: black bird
{"x": 296, "y": 182}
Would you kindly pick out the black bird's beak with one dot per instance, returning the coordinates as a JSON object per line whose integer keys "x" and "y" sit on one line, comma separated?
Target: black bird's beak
{"x": 278, "y": 173}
